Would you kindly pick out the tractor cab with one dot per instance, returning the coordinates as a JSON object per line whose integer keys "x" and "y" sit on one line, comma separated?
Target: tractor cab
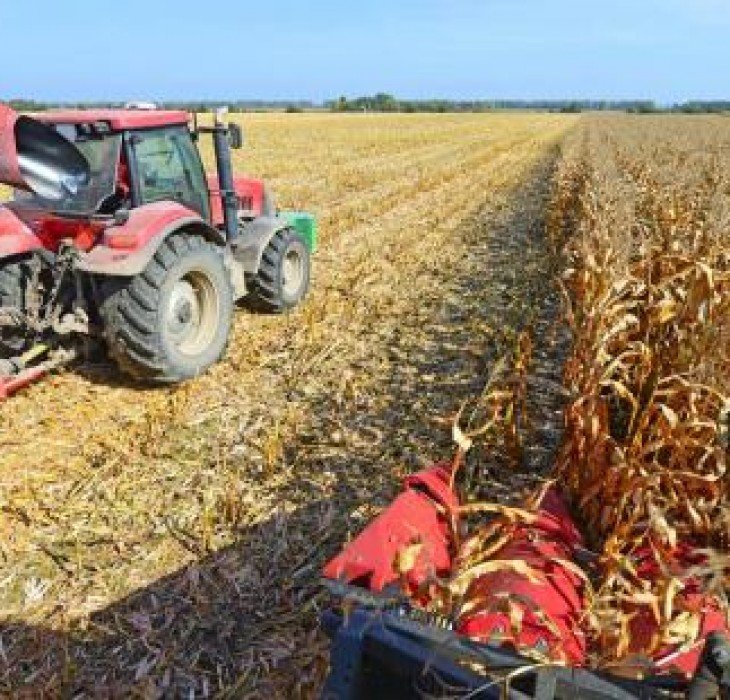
{"x": 135, "y": 158}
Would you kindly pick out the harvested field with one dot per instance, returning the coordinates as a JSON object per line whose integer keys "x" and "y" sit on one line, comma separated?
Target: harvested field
{"x": 159, "y": 541}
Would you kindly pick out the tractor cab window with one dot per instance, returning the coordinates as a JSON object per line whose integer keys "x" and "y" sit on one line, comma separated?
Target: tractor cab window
{"x": 169, "y": 168}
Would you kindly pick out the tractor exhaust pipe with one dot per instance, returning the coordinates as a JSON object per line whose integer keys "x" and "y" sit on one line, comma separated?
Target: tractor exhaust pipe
{"x": 229, "y": 199}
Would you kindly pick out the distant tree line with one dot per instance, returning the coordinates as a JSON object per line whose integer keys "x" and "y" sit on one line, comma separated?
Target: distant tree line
{"x": 700, "y": 107}
{"x": 27, "y": 105}
{"x": 384, "y": 102}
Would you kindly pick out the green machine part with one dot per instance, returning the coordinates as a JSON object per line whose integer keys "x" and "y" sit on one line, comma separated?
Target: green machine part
{"x": 305, "y": 224}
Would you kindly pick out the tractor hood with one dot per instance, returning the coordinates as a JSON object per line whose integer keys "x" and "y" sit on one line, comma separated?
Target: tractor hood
{"x": 35, "y": 157}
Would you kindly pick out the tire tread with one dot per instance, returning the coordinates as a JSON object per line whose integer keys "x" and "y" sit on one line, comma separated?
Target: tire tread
{"x": 14, "y": 278}
{"x": 264, "y": 289}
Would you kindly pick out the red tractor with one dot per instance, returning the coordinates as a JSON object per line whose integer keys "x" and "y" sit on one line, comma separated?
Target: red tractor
{"x": 115, "y": 231}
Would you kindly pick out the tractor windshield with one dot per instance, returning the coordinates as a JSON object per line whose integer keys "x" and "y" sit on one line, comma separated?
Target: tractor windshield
{"x": 101, "y": 150}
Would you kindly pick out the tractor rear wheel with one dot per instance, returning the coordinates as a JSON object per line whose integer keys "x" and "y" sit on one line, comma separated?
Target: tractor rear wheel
{"x": 172, "y": 321}
{"x": 282, "y": 280}
{"x": 15, "y": 277}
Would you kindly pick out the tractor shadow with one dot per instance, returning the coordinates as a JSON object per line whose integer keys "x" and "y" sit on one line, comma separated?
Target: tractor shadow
{"x": 242, "y": 622}
{"x": 104, "y": 372}
{"x": 192, "y": 633}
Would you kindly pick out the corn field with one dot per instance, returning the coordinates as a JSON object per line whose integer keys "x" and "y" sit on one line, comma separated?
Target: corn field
{"x": 643, "y": 219}
{"x": 553, "y": 291}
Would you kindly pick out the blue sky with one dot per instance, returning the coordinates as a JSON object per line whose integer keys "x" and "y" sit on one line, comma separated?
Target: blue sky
{"x": 86, "y": 49}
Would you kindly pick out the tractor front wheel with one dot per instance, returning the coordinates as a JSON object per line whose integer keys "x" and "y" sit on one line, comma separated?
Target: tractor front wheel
{"x": 15, "y": 279}
{"x": 282, "y": 280}
{"x": 171, "y": 322}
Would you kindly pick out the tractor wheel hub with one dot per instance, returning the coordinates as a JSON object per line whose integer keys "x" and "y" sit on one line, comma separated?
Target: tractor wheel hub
{"x": 184, "y": 310}
{"x": 292, "y": 272}
{"x": 192, "y": 313}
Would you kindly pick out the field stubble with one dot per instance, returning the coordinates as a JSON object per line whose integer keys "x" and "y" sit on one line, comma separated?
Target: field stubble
{"x": 171, "y": 539}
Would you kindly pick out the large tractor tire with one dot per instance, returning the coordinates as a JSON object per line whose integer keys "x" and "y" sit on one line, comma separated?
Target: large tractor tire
{"x": 282, "y": 280}
{"x": 172, "y": 321}
{"x": 15, "y": 277}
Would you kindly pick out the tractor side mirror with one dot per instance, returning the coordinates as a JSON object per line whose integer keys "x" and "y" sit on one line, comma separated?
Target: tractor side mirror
{"x": 235, "y": 135}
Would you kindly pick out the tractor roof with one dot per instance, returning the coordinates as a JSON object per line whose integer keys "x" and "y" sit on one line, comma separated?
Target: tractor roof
{"x": 118, "y": 119}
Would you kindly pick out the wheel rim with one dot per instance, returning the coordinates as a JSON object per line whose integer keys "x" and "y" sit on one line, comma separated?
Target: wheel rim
{"x": 193, "y": 313}
{"x": 292, "y": 272}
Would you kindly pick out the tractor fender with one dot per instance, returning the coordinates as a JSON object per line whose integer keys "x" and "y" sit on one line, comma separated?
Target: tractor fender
{"x": 255, "y": 236}
{"x": 15, "y": 237}
{"x": 125, "y": 250}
